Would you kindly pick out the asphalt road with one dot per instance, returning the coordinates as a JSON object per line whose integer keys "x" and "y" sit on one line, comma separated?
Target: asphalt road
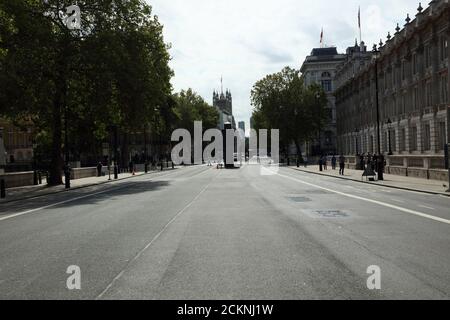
{"x": 249, "y": 233}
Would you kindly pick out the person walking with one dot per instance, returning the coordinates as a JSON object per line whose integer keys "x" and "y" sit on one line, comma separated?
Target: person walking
{"x": 325, "y": 162}
{"x": 341, "y": 165}
{"x": 321, "y": 164}
{"x": 333, "y": 162}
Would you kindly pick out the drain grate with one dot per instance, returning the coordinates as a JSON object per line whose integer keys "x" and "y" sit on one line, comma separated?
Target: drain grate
{"x": 299, "y": 199}
{"x": 331, "y": 213}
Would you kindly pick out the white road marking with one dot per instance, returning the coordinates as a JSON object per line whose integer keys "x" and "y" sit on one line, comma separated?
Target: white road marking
{"x": 399, "y": 201}
{"x": 384, "y": 204}
{"x": 81, "y": 197}
{"x": 425, "y": 207}
{"x": 121, "y": 273}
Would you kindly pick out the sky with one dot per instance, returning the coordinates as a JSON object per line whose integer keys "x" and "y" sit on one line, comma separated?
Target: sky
{"x": 244, "y": 40}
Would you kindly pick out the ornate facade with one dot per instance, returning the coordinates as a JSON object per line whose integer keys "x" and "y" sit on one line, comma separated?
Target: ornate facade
{"x": 320, "y": 67}
{"x": 413, "y": 92}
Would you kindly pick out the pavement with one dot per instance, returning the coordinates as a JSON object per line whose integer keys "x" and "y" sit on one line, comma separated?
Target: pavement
{"x": 23, "y": 193}
{"x": 250, "y": 233}
{"x": 390, "y": 180}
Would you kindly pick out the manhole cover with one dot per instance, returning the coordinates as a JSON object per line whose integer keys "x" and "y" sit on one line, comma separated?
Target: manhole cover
{"x": 299, "y": 199}
{"x": 331, "y": 213}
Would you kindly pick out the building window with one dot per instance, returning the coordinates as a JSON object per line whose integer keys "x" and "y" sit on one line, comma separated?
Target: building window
{"x": 416, "y": 98}
{"x": 403, "y": 70}
{"x": 402, "y": 140}
{"x": 442, "y": 135}
{"x": 415, "y": 66}
{"x": 426, "y": 137}
{"x": 444, "y": 48}
{"x": 326, "y": 85}
{"x": 326, "y": 75}
{"x": 429, "y": 93}
{"x": 444, "y": 89}
{"x": 413, "y": 139}
{"x": 393, "y": 141}
{"x": 428, "y": 56}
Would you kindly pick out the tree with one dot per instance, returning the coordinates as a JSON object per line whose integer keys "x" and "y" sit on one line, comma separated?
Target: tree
{"x": 191, "y": 107}
{"x": 113, "y": 71}
{"x": 282, "y": 101}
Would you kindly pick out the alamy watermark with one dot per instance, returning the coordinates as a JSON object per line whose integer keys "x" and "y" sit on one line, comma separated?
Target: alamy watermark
{"x": 73, "y": 17}
{"x": 374, "y": 281}
{"x": 74, "y": 280}
{"x": 228, "y": 148}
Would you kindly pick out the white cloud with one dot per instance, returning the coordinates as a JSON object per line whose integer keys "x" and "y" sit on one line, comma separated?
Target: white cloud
{"x": 244, "y": 40}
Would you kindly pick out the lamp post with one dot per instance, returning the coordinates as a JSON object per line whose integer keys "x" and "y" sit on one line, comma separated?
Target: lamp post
{"x": 380, "y": 166}
{"x": 448, "y": 146}
{"x": 318, "y": 96}
{"x": 145, "y": 149}
{"x": 389, "y": 124}
{"x": 35, "y": 174}
{"x": 66, "y": 148}
{"x": 116, "y": 156}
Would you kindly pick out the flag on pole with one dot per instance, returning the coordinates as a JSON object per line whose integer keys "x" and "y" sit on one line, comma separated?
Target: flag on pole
{"x": 359, "y": 17}
{"x": 321, "y": 38}
{"x": 359, "y": 24}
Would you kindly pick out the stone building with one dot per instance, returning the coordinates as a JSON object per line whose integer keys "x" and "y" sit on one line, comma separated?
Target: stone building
{"x": 320, "y": 67}
{"x": 18, "y": 143}
{"x": 413, "y": 83}
{"x": 224, "y": 105}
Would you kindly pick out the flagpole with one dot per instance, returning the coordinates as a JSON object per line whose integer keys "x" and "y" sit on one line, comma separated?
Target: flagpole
{"x": 359, "y": 25}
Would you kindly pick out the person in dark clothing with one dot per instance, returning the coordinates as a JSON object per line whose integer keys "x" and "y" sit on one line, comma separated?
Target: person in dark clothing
{"x": 99, "y": 169}
{"x": 333, "y": 162}
{"x": 321, "y": 164}
{"x": 341, "y": 165}
{"x": 131, "y": 166}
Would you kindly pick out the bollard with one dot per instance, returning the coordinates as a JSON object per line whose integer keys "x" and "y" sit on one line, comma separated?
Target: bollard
{"x": 2, "y": 189}
{"x": 35, "y": 178}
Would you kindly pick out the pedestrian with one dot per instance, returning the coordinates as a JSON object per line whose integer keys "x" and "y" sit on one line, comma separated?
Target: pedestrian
{"x": 333, "y": 162}
{"x": 341, "y": 165}
{"x": 325, "y": 162}
{"x": 131, "y": 166}
{"x": 99, "y": 169}
{"x": 321, "y": 164}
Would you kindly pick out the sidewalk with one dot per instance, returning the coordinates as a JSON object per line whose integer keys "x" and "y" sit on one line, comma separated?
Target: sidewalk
{"x": 23, "y": 193}
{"x": 391, "y": 181}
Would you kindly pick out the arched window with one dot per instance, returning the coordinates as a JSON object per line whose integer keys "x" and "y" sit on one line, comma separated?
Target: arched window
{"x": 326, "y": 75}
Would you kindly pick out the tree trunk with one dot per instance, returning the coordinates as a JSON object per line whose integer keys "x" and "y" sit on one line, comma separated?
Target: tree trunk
{"x": 56, "y": 165}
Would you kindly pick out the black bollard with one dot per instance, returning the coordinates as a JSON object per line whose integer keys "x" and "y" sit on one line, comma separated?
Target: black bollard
{"x": 116, "y": 172}
{"x": 2, "y": 189}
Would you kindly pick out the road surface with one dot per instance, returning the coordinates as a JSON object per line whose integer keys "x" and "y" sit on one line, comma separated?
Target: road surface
{"x": 249, "y": 233}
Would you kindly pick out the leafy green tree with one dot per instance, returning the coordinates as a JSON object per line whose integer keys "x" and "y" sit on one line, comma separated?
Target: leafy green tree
{"x": 282, "y": 101}
{"x": 191, "y": 107}
{"x": 113, "y": 71}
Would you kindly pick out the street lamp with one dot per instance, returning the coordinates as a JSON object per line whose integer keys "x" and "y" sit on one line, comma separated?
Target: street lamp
{"x": 66, "y": 148}
{"x": 380, "y": 167}
{"x": 145, "y": 149}
{"x": 35, "y": 174}
{"x": 448, "y": 146}
{"x": 389, "y": 124}
{"x": 318, "y": 96}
